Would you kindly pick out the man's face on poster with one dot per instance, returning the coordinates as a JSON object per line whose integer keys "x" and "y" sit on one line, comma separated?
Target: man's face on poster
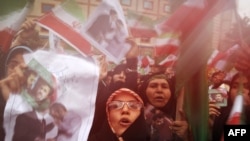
{"x": 42, "y": 92}
{"x": 218, "y": 97}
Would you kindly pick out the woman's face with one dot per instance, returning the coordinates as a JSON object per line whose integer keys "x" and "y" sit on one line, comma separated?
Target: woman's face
{"x": 121, "y": 118}
{"x": 119, "y": 77}
{"x": 158, "y": 92}
{"x": 235, "y": 88}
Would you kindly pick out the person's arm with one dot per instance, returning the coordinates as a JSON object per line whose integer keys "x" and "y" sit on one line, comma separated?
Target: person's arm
{"x": 131, "y": 63}
{"x": 27, "y": 35}
{"x": 181, "y": 128}
{"x": 213, "y": 112}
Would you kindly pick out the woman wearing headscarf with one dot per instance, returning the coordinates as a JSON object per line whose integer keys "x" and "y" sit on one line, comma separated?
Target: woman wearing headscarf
{"x": 125, "y": 118}
{"x": 157, "y": 92}
{"x": 240, "y": 84}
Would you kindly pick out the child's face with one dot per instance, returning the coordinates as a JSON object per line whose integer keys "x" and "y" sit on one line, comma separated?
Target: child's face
{"x": 122, "y": 118}
{"x": 42, "y": 92}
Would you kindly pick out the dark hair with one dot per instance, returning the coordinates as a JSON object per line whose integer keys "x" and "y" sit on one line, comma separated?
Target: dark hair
{"x": 235, "y": 77}
{"x": 170, "y": 107}
{"x": 57, "y": 106}
{"x": 13, "y": 52}
{"x": 119, "y": 68}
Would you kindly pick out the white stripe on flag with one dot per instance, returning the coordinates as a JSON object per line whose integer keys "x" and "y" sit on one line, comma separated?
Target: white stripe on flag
{"x": 65, "y": 32}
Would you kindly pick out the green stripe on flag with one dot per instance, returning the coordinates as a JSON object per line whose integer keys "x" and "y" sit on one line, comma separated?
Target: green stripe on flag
{"x": 8, "y": 6}
{"x": 73, "y": 8}
{"x": 141, "y": 20}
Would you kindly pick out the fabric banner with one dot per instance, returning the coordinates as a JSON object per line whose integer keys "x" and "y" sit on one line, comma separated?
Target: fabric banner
{"x": 66, "y": 21}
{"x": 75, "y": 82}
{"x": 167, "y": 43}
{"x": 220, "y": 59}
{"x": 235, "y": 114}
{"x": 140, "y": 25}
{"x": 169, "y": 60}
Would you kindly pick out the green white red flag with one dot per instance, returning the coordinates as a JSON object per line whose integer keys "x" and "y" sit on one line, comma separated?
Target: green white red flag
{"x": 220, "y": 60}
{"x": 167, "y": 43}
{"x": 169, "y": 60}
{"x": 66, "y": 21}
{"x": 235, "y": 114}
{"x": 191, "y": 20}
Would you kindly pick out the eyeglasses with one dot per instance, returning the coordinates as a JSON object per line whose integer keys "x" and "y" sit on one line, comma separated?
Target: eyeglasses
{"x": 133, "y": 105}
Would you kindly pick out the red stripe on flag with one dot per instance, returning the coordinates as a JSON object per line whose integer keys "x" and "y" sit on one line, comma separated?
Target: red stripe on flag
{"x": 184, "y": 19}
{"x": 6, "y": 37}
{"x": 165, "y": 49}
{"x": 66, "y": 32}
{"x": 169, "y": 63}
{"x": 144, "y": 33}
{"x": 217, "y": 58}
{"x": 145, "y": 62}
{"x": 235, "y": 119}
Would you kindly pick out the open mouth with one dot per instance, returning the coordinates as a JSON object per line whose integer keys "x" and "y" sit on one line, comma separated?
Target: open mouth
{"x": 125, "y": 122}
{"x": 159, "y": 98}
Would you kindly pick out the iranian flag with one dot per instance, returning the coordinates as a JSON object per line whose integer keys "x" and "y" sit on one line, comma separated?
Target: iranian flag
{"x": 167, "y": 43}
{"x": 235, "y": 115}
{"x": 169, "y": 60}
{"x": 146, "y": 61}
{"x": 66, "y": 21}
{"x": 140, "y": 25}
{"x": 11, "y": 18}
{"x": 192, "y": 20}
{"x": 220, "y": 59}
{"x": 185, "y": 18}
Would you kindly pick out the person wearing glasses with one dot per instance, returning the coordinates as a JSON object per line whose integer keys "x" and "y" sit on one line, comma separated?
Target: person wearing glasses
{"x": 125, "y": 118}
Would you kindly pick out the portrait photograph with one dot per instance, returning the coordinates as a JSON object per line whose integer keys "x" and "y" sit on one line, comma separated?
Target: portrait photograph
{"x": 106, "y": 30}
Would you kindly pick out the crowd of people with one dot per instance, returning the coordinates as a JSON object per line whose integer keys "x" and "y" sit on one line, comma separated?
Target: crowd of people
{"x": 128, "y": 107}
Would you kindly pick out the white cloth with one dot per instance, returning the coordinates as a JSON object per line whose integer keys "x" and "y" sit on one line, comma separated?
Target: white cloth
{"x": 76, "y": 87}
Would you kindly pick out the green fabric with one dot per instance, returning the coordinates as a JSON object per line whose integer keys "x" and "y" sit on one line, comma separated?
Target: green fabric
{"x": 192, "y": 76}
{"x": 74, "y": 9}
{"x": 8, "y": 6}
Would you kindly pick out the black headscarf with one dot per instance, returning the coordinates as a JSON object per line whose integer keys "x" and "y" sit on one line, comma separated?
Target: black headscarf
{"x": 170, "y": 108}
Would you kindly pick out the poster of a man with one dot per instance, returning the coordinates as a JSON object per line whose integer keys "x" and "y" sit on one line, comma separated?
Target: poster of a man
{"x": 41, "y": 90}
{"x": 106, "y": 30}
{"x": 38, "y": 82}
{"x": 218, "y": 97}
